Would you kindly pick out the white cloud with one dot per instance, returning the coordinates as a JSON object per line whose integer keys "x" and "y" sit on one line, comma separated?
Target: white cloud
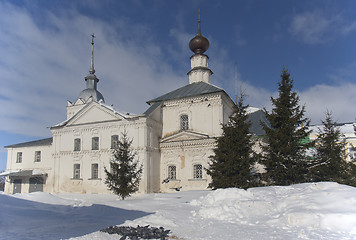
{"x": 42, "y": 66}
{"x": 339, "y": 99}
{"x": 319, "y": 27}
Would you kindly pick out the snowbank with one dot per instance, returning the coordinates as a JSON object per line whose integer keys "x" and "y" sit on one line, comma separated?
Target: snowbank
{"x": 325, "y": 205}
{"x": 322, "y": 211}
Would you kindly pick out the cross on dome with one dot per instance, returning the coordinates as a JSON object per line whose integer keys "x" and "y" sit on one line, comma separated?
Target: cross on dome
{"x": 92, "y": 70}
{"x": 199, "y": 44}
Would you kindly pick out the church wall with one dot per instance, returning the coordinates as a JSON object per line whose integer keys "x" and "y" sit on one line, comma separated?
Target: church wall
{"x": 73, "y": 109}
{"x": 204, "y": 113}
{"x": 66, "y": 157}
{"x": 184, "y": 157}
{"x": 153, "y": 134}
{"x": 227, "y": 108}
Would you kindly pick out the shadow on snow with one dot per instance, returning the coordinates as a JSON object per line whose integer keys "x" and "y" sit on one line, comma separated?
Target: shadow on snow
{"x": 23, "y": 219}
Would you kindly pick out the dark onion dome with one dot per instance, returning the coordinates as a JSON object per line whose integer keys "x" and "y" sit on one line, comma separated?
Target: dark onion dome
{"x": 199, "y": 44}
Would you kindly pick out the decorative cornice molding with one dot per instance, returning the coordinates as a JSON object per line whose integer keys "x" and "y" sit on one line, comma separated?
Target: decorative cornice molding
{"x": 196, "y": 99}
{"x": 207, "y": 143}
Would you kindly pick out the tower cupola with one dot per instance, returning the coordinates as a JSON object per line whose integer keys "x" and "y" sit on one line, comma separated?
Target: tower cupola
{"x": 91, "y": 81}
{"x": 199, "y": 71}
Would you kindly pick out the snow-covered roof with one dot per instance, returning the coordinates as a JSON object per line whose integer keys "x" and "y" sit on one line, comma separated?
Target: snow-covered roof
{"x": 345, "y": 128}
{"x": 23, "y": 173}
{"x": 250, "y": 110}
{"x": 125, "y": 115}
{"x": 121, "y": 113}
{"x": 41, "y": 142}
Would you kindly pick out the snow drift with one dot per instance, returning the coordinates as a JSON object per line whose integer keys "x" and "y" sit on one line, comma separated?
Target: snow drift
{"x": 325, "y": 205}
{"x": 319, "y": 211}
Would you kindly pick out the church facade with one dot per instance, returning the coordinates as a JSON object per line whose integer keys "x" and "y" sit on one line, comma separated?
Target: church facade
{"x": 173, "y": 138}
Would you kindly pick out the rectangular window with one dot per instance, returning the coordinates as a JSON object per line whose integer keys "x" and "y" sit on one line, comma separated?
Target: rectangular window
{"x": 94, "y": 171}
{"x": 38, "y": 156}
{"x": 77, "y": 144}
{"x": 95, "y": 143}
{"x": 114, "y": 142}
{"x": 198, "y": 171}
{"x": 172, "y": 172}
{"x": 76, "y": 172}
{"x": 19, "y": 157}
{"x": 184, "y": 122}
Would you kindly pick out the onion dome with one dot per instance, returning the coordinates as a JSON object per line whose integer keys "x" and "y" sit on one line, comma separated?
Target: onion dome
{"x": 91, "y": 93}
{"x": 199, "y": 44}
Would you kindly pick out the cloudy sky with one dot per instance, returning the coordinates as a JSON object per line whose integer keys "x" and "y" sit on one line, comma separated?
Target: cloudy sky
{"x": 141, "y": 52}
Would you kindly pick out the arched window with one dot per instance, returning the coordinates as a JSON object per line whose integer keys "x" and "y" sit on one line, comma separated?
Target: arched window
{"x": 198, "y": 171}
{"x": 114, "y": 142}
{"x": 77, "y": 144}
{"x": 95, "y": 143}
{"x": 184, "y": 122}
{"x": 94, "y": 171}
{"x": 76, "y": 172}
{"x": 172, "y": 172}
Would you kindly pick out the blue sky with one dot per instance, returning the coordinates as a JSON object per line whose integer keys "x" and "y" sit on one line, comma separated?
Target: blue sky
{"x": 141, "y": 52}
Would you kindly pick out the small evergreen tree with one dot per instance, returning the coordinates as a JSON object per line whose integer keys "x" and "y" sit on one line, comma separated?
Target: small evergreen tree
{"x": 125, "y": 174}
{"x": 231, "y": 164}
{"x": 284, "y": 154}
{"x": 329, "y": 162}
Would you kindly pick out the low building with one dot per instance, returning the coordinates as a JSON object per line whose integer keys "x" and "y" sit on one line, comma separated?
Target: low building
{"x": 347, "y": 136}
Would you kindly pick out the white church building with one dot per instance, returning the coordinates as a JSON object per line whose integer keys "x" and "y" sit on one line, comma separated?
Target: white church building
{"x": 173, "y": 138}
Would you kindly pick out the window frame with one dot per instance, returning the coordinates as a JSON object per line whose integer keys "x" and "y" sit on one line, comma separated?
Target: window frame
{"x": 184, "y": 122}
{"x": 172, "y": 172}
{"x": 197, "y": 171}
{"x": 19, "y": 156}
{"x": 77, "y": 144}
{"x": 76, "y": 171}
{"x": 95, "y": 143}
{"x": 38, "y": 156}
{"x": 95, "y": 171}
{"x": 114, "y": 141}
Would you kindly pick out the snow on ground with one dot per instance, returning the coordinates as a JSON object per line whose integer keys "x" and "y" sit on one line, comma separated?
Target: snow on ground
{"x": 303, "y": 211}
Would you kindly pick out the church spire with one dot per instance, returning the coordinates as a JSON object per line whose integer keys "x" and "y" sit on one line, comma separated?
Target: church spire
{"x": 92, "y": 70}
{"x": 91, "y": 80}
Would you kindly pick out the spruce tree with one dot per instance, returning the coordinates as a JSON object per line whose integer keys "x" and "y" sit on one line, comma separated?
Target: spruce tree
{"x": 284, "y": 154}
{"x": 125, "y": 173}
{"x": 231, "y": 164}
{"x": 329, "y": 160}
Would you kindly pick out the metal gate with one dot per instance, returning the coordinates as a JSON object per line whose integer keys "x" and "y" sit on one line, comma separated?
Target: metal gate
{"x": 17, "y": 186}
{"x": 36, "y": 184}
